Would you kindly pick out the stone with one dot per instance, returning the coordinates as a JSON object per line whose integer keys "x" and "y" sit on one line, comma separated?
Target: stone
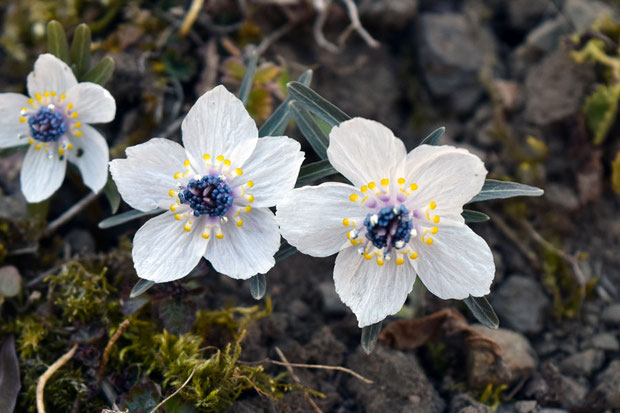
{"x": 606, "y": 394}
{"x": 572, "y": 392}
{"x": 521, "y": 304}
{"x": 331, "y": 302}
{"x": 611, "y": 315}
{"x": 10, "y": 281}
{"x": 519, "y": 359}
{"x": 583, "y": 363}
{"x": 605, "y": 341}
{"x": 562, "y": 196}
{"x": 464, "y": 403}
{"x": 525, "y": 14}
{"x": 555, "y": 88}
{"x": 525, "y": 406}
{"x": 546, "y": 36}
{"x": 13, "y": 207}
{"x": 392, "y": 14}
{"x": 583, "y": 13}
{"x": 80, "y": 241}
{"x": 400, "y": 384}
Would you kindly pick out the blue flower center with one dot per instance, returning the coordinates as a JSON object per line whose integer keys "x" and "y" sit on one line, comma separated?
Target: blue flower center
{"x": 47, "y": 125}
{"x": 389, "y": 228}
{"x": 209, "y": 195}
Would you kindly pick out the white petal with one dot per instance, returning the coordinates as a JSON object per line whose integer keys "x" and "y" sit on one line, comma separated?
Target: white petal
{"x": 273, "y": 168}
{"x": 218, "y": 124}
{"x": 446, "y": 175}
{"x": 364, "y": 150}
{"x": 311, "y": 218}
{"x": 50, "y": 74}
{"x": 247, "y": 250}
{"x": 145, "y": 178}
{"x": 10, "y": 126}
{"x": 93, "y": 159}
{"x": 163, "y": 251}
{"x": 371, "y": 291}
{"x": 41, "y": 176}
{"x": 458, "y": 264}
{"x": 93, "y": 103}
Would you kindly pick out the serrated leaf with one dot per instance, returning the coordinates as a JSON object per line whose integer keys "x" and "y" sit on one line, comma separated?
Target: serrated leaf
{"x": 313, "y": 171}
{"x": 493, "y": 189}
{"x": 276, "y": 124}
{"x": 310, "y": 129}
{"x": 141, "y": 287}
{"x": 615, "y": 174}
{"x": 317, "y": 104}
{"x": 433, "y": 137}
{"x": 370, "y": 334}
{"x": 482, "y": 310}
{"x": 601, "y": 108}
{"x": 80, "y": 50}
{"x": 258, "y": 286}
{"x": 124, "y": 217}
{"x": 474, "y": 216}
{"x": 112, "y": 195}
{"x": 284, "y": 252}
{"x": 57, "y": 41}
{"x": 248, "y": 76}
{"x": 10, "y": 382}
{"x": 101, "y": 72}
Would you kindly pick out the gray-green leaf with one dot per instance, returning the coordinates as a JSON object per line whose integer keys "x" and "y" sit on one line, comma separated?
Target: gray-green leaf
{"x": 433, "y": 137}
{"x": 493, "y": 189}
{"x": 310, "y": 129}
{"x": 482, "y": 310}
{"x": 474, "y": 216}
{"x": 101, "y": 72}
{"x": 124, "y": 217}
{"x": 57, "y": 41}
{"x": 248, "y": 77}
{"x": 258, "y": 286}
{"x": 80, "y": 50}
{"x": 313, "y": 171}
{"x": 140, "y": 288}
{"x": 317, "y": 104}
{"x": 370, "y": 334}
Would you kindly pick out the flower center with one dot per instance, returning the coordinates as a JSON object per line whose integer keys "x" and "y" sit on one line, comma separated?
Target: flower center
{"x": 389, "y": 228}
{"x": 47, "y": 125}
{"x": 209, "y": 195}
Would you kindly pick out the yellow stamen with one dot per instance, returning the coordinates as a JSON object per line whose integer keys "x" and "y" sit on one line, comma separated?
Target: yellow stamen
{"x": 385, "y": 182}
{"x": 23, "y": 119}
{"x": 206, "y": 156}
{"x": 186, "y": 162}
{"x": 38, "y": 96}
{"x": 177, "y": 175}
{"x": 434, "y": 230}
{"x": 38, "y": 146}
{"x": 436, "y": 219}
{"x": 401, "y": 181}
{"x": 248, "y": 209}
{"x": 171, "y": 193}
{"x": 429, "y": 241}
{"x": 31, "y": 101}
{"x": 78, "y": 133}
{"x": 177, "y": 217}
{"x": 69, "y": 105}
{"x": 205, "y": 235}
{"x": 187, "y": 227}
{"x": 70, "y": 146}
{"x": 227, "y": 162}
{"x": 400, "y": 261}
{"x": 413, "y": 187}
{"x": 78, "y": 124}
{"x": 173, "y": 207}
{"x": 240, "y": 223}
{"x": 239, "y": 172}
{"x": 367, "y": 256}
{"x": 364, "y": 188}
{"x": 61, "y": 151}
{"x": 372, "y": 185}
{"x": 63, "y": 96}
{"x": 380, "y": 261}
{"x": 432, "y": 205}
{"x": 413, "y": 256}
{"x": 30, "y": 141}
{"x": 54, "y": 94}
{"x": 47, "y": 94}
{"x": 345, "y": 222}
{"x": 219, "y": 235}
{"x": 250, "y": 198}
{"x": 74, "y": 115}
{"x": 220, "y": 158}
{"x": 353, "y": 197}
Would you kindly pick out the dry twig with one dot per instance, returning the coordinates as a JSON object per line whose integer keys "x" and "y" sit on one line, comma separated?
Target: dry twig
{"x": 108, "y": 348}
{"x": 176, "y": 391}
{"x": 48, "y": 373}
{"x": 294, "y": 376}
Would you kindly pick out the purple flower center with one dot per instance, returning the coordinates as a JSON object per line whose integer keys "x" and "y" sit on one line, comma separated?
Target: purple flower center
{"x": 209, "y": 195}
{"x": 47, "y": 125}
{"x": 389, "y": 228}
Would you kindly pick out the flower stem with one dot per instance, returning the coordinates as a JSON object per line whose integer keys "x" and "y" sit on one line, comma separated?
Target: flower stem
{"x": 70, "y": 213}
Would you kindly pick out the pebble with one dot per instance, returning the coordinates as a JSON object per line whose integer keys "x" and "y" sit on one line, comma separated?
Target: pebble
{"x": 521, "y": 304}
{"x": 611, "y": 315}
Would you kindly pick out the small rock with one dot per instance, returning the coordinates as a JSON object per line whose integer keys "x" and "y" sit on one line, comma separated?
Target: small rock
{"x": 398, "y": 377}
{"x": 298, "y": 308}
{"x": 572, "y": 392}
{"x": 525, "y": 406}
{"x": 524, "y": 14}
{"x": 80, "y": 241}
{"x": 605, "y": 341}
{"x": 10, "y": 281}
{"x": 583, "y": 363}
{"x": 611, "y": 315}
{"x": 509, "y": 93}
{"x": 562, "y": 196}
{"x": 606, "y": 394}
{"x": 331, "y": 302}
{"x": 392, "y": 14}
{"x": 518, "y": 357}
{"x": 464, "y": 403}
{"x": 520, "y": 304}
{"x": 13, "y": 207}
{"x": 583, "y": 13}
{"x": 553, "y": 411}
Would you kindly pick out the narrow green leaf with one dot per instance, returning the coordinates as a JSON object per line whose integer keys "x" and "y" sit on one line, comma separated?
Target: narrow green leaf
{"x": 141, "y": 287}
{"x": 101, "y": 72}
{"x": 284, "y": 252}
{"x": 258, "y": 286}
{"x": 482, "y": 310}
{"x": 493, "y": 189}
{"x": 370, "y": 335}
{"x": 112, "y": 195}
{"x": 317, "y": 103}
{"x": 248, "y": 77}
{"x": 9, "y": 375}
{"x": 474, "y": 216}
{"x": 433, "y": 137}
{"x": 57, "y": 41}
{"x": 310, "y": 129}
{"x": 276, "y": 124}
{"x": 313, "y": 171}
{"x": 80, "y": 50}
{"x": 124, "y": 217}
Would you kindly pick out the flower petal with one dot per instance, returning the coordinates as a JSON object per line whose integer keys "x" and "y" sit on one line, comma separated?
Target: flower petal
{"x": 10, "y": 126}
{"x": 218, "y": 124}
{"x": 459, "y": 263}
{"x": 163, "y": 251}
{"x": 364, "y": 150}
{"x": 273, "y": 168}
{"x": 50, "y": 74}
{"x": 311, "y": 218}
{"x": 247, "y": 250}
{"x": 41, "y": 176}
{"x": 371, "y": 291}
{"x": 145, "y": 178}
{"x": 93, "y": 103}
{"x": 93, "y": 158}
{"x": 446, "y": 175}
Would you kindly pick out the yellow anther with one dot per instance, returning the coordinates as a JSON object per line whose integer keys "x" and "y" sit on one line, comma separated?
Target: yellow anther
{"x": 372, "y": 185}
{"x": 413, "y": 256}
{"x": 219, "y": 235}
{"x": 47, "y": 94}
{"x": 177, "y": 217}
{"x": 70, "y": 146}
{"x": 248, "y": 209}
{"x": 177, "y": 175}
{"x": 367, "y": 256}
{"x": 401, "y": 181}
{"x": 353, "y": 197}
{"x": 31, "y": 101}
{"x": 434, "y": 230}
{"x": 220, "y": 158}
{"x": 240, "y": 223}
{"x": 400, "y": 261}
{"x": 364, "y": 188}
{"x": 38, "y": 96}
{"x": 30, "y": 141}
{"x": 61, "y": 151}
{"x": 227, "y": 162}
{"x": 432, "y": 205}
{"x": 171, "y": 193}
{"x": 345, "y": 222}
{"x": 37, "y": 146}
{"x": 436, "y": 219}
{"x": 63, "y": 96}
{"x": 250, "y": 184}
{"x": 23, "y": 119}
{"x": 250, "y": 198}
{"x": 54, "y": 94}
{"x": 429, "y": 241}
{"x": 78, "y": 133}
{"x": 186, "y": 162}
{"x": 69, "y": 105}
{"x": 206, "y": 156}
{"x": 205, "y": 235}
{"x": 385, "y": 182}
{"x": 239, "y": 171}
{"x": 380, "y": 261}
{"x": 78, "y": 124}
{"x": 187, "y": 227}
{"x": 74, "y": 115}
{"x": 173, "y": 207}
{"x": 413, "y": 187}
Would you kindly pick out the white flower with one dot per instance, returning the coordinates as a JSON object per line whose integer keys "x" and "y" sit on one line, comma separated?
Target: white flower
{"x": 54, "y": 121}
{"x": 402, "y": 217}
{"x": 217, "y": 190}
